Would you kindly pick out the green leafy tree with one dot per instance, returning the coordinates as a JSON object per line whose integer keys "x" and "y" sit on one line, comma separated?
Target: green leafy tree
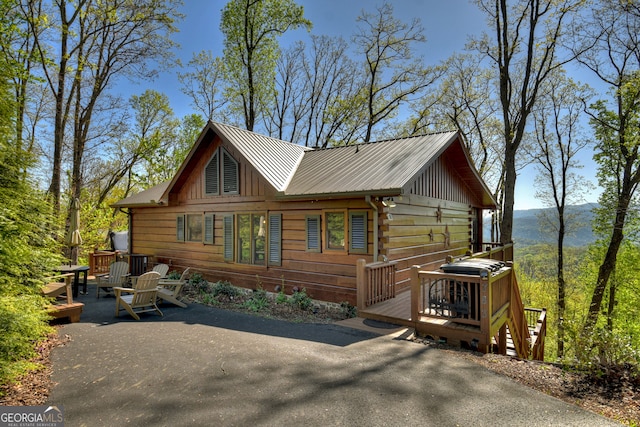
{"x": 26, "y": 245}
{"x": 393, "y": 74}
{"x": 524, "y": 52}
{"x": 607, "y": 44}
{"x": 203, "y": 83}
{"x": 83, "y": 48}
{"x": 251, "y": 50}
{"x": 618, "y": 154}
{"x": 557, "y": 143}
{"x": 153, "y": 135}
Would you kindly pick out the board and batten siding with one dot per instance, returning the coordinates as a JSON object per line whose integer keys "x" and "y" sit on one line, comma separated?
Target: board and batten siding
{"x": 430, "y": 223}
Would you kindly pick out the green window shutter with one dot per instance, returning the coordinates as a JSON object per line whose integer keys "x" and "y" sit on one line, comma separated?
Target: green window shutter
{"x": 211, "y": 176}
{"x": 275, "y": 239}
{"x": 358, "y": 232}
{"x": 180, "y": 228}
{"x": 227, "y": 231}
{"x": 313, "y": 233}
{"x": 208, "y": 228}
{"x": 230, "y": 184}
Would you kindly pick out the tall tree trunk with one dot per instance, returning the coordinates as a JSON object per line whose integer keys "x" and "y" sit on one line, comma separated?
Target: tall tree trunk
{"x": 613, "y": 286}
{"x": 561, "y": 303}
{"x": 608, "y": 264}
{"x": 506, "y": 222}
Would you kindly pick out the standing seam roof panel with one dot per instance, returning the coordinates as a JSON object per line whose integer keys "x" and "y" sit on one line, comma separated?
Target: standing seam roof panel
{"x": 275, "y": 159}
{"x": 366, "y": 167}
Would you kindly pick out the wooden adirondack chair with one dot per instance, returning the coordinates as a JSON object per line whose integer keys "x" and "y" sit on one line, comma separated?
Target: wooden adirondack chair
{"x": 163, "y": 269}
{"x": 168, "y": 290}
{"x": 117, "y": 276}
{"x": 141, "y": 298}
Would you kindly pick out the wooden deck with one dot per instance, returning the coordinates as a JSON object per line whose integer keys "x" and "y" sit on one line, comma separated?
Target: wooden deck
{"x": 398, "y": 311}
{"x": 395, "y": 310}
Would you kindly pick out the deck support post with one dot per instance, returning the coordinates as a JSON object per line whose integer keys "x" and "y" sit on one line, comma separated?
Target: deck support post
{"x": 502, "y": 339}
{"x": 415, "y": 293}
{"x": 485, "y": 316}
{"x": 361, "y": 284}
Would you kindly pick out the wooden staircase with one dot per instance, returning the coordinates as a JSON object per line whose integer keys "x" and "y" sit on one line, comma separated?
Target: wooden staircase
{"x": 526, "y": 328}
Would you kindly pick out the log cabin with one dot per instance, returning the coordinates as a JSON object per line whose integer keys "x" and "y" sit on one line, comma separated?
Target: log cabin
{"x": 356, "y": 224}
{"x": 252, "y": 210}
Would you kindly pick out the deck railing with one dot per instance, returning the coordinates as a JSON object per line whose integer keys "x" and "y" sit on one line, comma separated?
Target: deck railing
{"x": 376, "y": 282}
{"x": 537, "y": 320}
{"x": 442, "y": 295}
{"x": 454, "y": 298}
{"x": 518, "y": 322}
{"x": 496, "y": 251}
{"x": 100, "y": 261}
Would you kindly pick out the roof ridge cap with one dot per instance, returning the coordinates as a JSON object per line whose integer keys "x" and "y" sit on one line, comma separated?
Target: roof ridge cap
{"x": 262, "y": 135}
{"x": 384, "y": 140}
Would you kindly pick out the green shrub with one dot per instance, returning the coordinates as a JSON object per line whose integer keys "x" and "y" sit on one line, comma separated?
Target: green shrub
{"x": 23, "y": 324}
{"x": 282, "y": 298}
{"x": 301, "y": 300}
{"x": 348, "y": 310}
{"x": 174, "y": 275}
{"x": 258, "y": 301}
{"x": 28, "y": 253}
{"x": 209, "y": 299}
{"x": 226, "y": 289}
{"x": 198, "y": 283}
{"x": 603, "y": 351}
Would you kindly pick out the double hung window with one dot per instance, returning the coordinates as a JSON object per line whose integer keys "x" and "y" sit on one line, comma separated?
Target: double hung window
{"x": 195, "y": 228}
{"x": 338, "y": 231}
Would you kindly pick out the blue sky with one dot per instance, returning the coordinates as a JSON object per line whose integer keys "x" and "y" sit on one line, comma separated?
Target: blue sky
{"x": 448, "y": 24}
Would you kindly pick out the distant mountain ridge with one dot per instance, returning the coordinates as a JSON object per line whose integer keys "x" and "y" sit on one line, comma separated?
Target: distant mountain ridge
{"x": 529, "y": 226}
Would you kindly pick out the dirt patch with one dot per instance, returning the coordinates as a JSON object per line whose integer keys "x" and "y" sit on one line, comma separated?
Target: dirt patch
{"x": 33, "y": 388}
{"x": 615, "y": 395}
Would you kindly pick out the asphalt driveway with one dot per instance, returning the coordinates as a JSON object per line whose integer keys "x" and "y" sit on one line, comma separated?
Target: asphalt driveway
{"x": 203, "y": 366}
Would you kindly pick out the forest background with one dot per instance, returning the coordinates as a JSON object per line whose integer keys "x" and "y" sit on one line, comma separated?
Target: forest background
{"x": 68, "y": 133}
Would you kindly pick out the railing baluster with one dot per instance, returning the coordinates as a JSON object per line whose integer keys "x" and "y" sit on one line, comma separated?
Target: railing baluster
{"x": 380, "y": 280}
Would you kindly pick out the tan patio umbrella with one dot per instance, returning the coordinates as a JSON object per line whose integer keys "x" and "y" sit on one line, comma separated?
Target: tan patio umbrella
{"x": 73, "y": 237}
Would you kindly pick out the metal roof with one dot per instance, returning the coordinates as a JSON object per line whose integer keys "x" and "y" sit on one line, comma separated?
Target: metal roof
{"x": 368, "y": 167}
{"x": 149, "y": 197}
{"x": 376, "y": 168}
{"x": 276, "y": 160}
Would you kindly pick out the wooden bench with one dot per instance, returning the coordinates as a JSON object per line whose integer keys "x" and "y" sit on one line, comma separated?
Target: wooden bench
{"x": 66, "y": 308}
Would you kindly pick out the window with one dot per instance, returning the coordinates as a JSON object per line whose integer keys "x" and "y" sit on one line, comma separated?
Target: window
{"x": 209, "y": 225}
{"x": 222, "y": 172}
{"x": 180, "y": 228}
{"x": 313, "y": 233}
{"x": 229, "y": 174}
{"x": 194, "y": 227}
{"x": 335, "y": 230}
{"x": 211, "y": 176}
{"x": 251, "y": 239}
{"x": 358, "y": 232}
{"x": 275, "y": 239}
